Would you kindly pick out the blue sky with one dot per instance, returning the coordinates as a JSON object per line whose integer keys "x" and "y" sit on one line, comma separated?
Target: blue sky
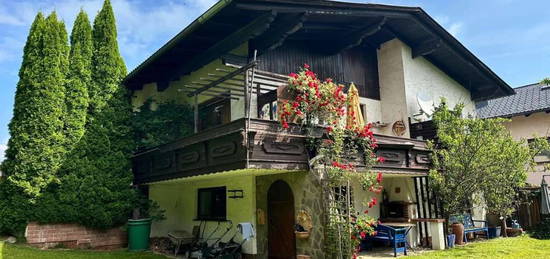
{"x": 511, "y": 36}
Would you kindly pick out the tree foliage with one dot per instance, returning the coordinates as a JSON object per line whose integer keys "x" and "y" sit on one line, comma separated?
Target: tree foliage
{"x": 78, "y": 79}
{"x": 35, "y": 151}
{"x": 69, "y": 156}
{"x": 104, "y": 175}
{"x": 167, "y": 122}
{"x": 36, "y": 148}
{"x": 476, "y": 162}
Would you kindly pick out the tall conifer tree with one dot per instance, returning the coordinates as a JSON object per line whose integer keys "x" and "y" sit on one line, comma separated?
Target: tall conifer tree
{"x": 106, "y": 179}
{"x": 35, "y": 149}
{"x": 78, "y": 79}
{"x": 60, "y": 202}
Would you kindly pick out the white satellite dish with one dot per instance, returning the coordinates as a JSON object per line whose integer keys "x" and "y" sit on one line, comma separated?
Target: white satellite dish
{"x": 426, "y": 103}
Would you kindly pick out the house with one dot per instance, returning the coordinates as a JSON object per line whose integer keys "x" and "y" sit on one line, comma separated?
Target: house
{"x": 529, "y": 113}
{"x": 242, "y": 166}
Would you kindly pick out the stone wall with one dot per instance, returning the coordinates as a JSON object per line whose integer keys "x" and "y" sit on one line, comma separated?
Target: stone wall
{"x": 74, "y": 236}
{"x": 307, "y": 196}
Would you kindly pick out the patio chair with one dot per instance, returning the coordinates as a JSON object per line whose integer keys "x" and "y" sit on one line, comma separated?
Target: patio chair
{"x": 396, "y": 237}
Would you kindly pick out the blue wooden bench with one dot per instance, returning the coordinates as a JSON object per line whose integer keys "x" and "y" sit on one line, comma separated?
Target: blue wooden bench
{"x": 396, "y": 237}
{"x": 469, "y": 224}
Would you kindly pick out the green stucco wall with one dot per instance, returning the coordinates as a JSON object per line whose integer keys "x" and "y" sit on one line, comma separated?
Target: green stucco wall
{"x": 179, "y": 199}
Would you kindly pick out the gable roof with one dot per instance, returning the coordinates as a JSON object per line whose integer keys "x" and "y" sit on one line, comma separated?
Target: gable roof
{"x": 528, "y": 99}
{"x": 233, "y": 22}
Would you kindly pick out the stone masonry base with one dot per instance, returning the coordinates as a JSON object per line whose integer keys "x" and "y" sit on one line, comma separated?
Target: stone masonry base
{"x": 74, "y": 236}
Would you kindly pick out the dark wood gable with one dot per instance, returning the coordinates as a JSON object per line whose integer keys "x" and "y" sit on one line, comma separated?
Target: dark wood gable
{"x": 358, "y": 65}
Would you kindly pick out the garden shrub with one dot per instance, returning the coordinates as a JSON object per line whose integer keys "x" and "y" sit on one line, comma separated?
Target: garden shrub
{"x": 541, "y": 230}
{"x": 168, "y": 122}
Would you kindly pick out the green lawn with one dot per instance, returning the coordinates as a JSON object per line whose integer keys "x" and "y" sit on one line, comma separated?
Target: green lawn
{"x": 515, "y": 247}
{"x": 23, "y": 252}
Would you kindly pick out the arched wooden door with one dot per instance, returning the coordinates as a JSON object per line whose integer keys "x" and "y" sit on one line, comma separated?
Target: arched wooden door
{"x": 280, "y": 215}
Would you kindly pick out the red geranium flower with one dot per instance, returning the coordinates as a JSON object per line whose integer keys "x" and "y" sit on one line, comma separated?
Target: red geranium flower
{"x": 306, "y": 66}
{"x": 381, "y": 159}
{"x": 379, "y": 177}
{"x": 363, "y": 234}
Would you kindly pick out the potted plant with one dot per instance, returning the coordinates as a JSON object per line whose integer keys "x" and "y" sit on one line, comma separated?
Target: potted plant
{"x": 458, "y": 230}
{"x": 304, "y": 225}
{"x": 139, "y": 226}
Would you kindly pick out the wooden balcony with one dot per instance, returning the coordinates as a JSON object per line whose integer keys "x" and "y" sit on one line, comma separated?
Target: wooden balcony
{"x": 258, "y": 143}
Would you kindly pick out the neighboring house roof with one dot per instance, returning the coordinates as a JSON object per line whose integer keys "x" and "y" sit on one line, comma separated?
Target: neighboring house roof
{"x": 268, "y": 23}
{"x": 528, "y": 99}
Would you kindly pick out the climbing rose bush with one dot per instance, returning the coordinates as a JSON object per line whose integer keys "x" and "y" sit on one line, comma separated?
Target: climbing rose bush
{"x": 323, "y": 103}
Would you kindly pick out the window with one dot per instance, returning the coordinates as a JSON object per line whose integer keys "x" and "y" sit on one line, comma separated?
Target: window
{"x": 211, "y": 204}
{"x": 543, "y": 152}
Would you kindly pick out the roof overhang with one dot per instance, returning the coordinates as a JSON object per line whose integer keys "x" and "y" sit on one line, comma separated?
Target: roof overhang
{"x": 268, "y": 23}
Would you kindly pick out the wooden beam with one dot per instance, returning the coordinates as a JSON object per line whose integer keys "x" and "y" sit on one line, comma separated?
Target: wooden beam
{"x": 277, "y": 34}
{"x": 223, "y": 79}
{"x": 314, "y": 8}
{"x": 235, "y": 39}
{"x": 425, "y": 48}
{"x": 355, "y": 37}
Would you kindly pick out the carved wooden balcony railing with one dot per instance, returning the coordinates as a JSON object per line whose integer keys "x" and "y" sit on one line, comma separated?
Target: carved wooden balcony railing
{"x": 267, "y": 146}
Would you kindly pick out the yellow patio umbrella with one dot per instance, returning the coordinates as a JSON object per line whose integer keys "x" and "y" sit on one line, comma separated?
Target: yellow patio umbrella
{"x": 355, "y": 116}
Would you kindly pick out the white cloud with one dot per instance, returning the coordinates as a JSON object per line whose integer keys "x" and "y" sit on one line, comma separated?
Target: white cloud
{"x": 455, "y": 28}
{"x": 10, "y": 20}
{"x": 142, "y": 26}
{"x": 10, "y": 48}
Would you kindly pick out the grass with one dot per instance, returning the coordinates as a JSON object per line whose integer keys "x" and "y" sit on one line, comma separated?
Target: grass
{"x": 523, "y": 247}
{"x": 8, "y": 251}
{"x": 515, "y": 247}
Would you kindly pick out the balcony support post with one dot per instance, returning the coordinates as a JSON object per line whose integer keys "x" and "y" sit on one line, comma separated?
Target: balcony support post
{"x": 196, "y": 112}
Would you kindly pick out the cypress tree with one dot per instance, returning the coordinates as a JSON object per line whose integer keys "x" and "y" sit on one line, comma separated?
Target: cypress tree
{"x": 35, "y": 149}
{"x": 78, "y": 79}
{"x": 60, "y": 201}
{"x": 13, "y": 203}
{"x": 106, "y": 179}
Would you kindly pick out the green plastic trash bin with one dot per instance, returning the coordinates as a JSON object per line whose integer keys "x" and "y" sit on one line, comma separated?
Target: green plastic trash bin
{"x": 138, "y": 234}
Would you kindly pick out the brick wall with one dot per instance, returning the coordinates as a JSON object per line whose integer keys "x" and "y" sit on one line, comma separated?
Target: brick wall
{"x": 74, "y": 236}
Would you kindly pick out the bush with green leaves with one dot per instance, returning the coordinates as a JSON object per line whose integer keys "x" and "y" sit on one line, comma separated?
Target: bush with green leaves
{"x": 477, "y": 163}
{"x": 156, "y": 124}
{"x": 541, "y": 230}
